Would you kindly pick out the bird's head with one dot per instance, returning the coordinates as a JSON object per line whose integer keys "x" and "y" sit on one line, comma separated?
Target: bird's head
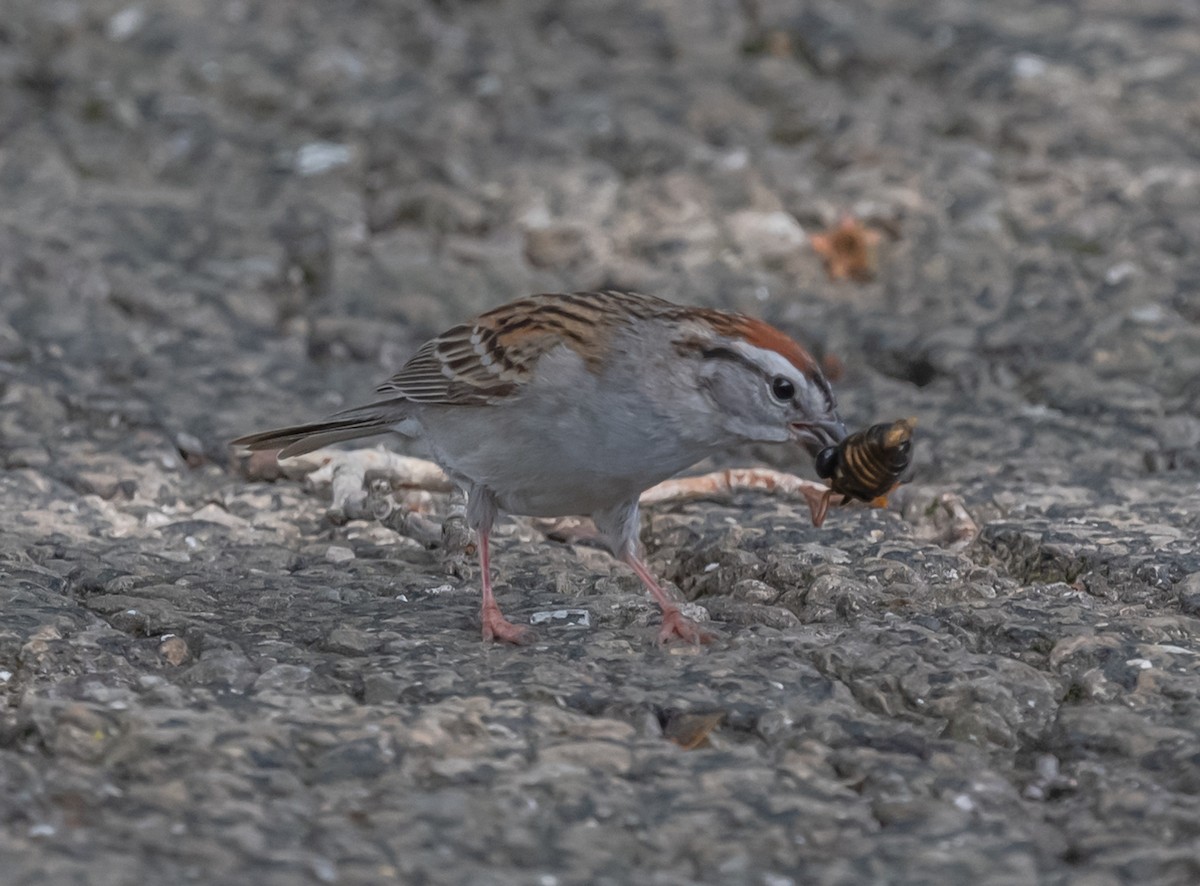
{"x": 764, "y": 386}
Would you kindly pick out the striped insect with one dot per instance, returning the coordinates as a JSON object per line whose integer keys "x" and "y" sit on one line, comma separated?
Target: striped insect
{"x": 866, "y": 466}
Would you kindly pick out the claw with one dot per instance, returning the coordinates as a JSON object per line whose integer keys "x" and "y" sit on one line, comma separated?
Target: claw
{"x": 676, "y": 624}
{"x": 498, "y": 628}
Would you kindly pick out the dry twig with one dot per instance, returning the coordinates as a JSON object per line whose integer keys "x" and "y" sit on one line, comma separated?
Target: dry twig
{"x": 349, "y": 472}
{"x": 727, "y": 482}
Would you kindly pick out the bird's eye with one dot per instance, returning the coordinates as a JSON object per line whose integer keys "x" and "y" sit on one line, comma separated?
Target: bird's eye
{"x": 782, "y": 388}
{"x": 826, "y": 462}
{"x": 903, "y": 447}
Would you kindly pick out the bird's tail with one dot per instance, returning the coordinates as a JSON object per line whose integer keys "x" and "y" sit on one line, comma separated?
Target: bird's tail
{"x": 361, "y": 421}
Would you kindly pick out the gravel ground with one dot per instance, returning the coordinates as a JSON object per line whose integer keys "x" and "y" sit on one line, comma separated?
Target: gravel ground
{"x": 222, "y": 215}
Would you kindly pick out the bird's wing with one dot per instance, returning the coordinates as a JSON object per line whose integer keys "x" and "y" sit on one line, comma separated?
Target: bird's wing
{"x": 491, "y": 357}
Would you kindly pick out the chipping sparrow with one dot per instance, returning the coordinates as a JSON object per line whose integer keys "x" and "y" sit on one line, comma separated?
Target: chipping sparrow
{"x": 557, "y": 405}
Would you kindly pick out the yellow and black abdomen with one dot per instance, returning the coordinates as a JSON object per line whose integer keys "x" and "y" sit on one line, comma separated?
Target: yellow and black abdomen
{"x": 870, "y": 463}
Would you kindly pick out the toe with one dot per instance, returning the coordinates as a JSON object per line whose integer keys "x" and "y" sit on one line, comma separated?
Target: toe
{"x": 499, "y": 629}
{"x": 676, "y": 626}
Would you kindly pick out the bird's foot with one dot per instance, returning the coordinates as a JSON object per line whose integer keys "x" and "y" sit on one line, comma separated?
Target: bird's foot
{"x": 496, "y": 627}
{"x": 676, "y": 625}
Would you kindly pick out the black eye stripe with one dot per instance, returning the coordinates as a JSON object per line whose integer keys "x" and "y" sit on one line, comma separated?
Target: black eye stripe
{"x": 827, "y": 390}
{"x": 720, "y": 352}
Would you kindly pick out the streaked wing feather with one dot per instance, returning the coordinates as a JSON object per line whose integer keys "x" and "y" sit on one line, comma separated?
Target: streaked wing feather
{"x": 477, "y": 363}
{"x": 446, "y": 371}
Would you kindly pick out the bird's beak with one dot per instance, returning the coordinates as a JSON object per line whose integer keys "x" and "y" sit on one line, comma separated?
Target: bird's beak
{"x": 816, "y": 435}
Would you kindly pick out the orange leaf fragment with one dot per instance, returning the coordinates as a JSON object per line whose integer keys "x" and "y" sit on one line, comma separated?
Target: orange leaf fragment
{"x": 691, "y": 731}
{"x": 848, "y": 249}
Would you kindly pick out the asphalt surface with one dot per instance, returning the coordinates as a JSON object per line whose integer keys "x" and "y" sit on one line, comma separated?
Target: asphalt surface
{"x": 222, "y": 216}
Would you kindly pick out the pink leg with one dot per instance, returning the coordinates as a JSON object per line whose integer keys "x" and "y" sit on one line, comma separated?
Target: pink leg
{"x": 674, "y": 624}
{"x": 495, "y": 625}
